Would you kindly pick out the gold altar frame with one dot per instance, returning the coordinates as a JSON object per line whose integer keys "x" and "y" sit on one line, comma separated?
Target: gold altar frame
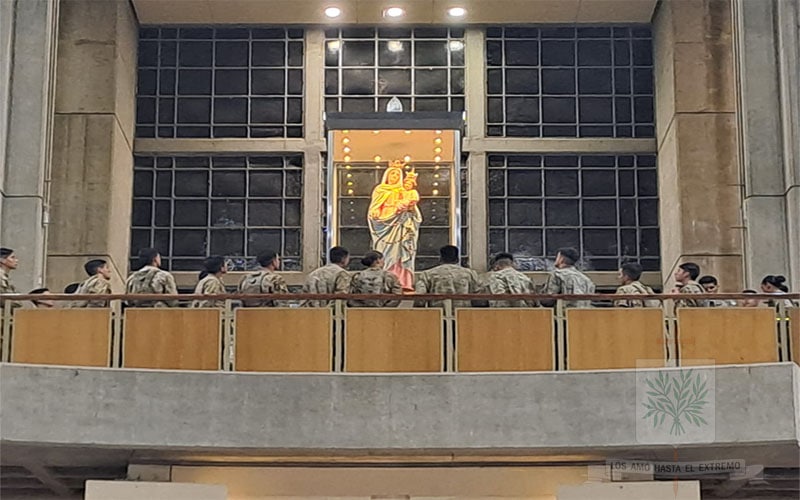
{"x": 379, "y": 139}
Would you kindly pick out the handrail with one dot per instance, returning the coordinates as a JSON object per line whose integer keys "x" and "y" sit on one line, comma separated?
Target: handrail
{"x": 412, "y": 296}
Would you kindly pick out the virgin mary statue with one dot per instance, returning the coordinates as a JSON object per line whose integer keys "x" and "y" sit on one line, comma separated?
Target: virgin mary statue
{"x": 394, "y": 220}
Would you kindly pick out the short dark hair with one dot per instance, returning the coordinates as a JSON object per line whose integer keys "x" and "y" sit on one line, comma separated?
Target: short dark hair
{"x": 372, "y": 257}
{"x": 691, "y": 268}
{"x": 749, "y": 291}
{"x": 503, "y": 259}
{"x": 449, "y": 254}
{"x": 266, "y": 257}
{"x": 776, "y": 281}
{"x": 72, "y": 288}
{"x": 92, "y": 266}
{"x": 147, "y": 256}
{"x": 38, "y": 291}
{"x": 570, "y": 255}
{"x": 5, "y": 252}
{"x": 632, "y": 270}
{"x": 708, "y": 280}
{"x": 337, "y": 255}
{"x": 213, "y": 264}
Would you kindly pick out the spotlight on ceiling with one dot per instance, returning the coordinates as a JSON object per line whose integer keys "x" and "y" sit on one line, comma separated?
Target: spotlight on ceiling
{"x": 394, "y": 12}
{"x": 333, "y": 12}
{"x": 456, "y": 12}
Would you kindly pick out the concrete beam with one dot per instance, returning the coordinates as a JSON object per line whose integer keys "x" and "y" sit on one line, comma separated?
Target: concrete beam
{"x": 524, "y": 413}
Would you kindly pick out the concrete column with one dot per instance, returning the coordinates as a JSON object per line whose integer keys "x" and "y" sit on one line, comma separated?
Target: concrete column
{"x": 696, "y": 130}
{"x": 652, "y": 490}
{"x": 92, "y": 170}
{"x": 769, "y": 81}
{"x": 135, "y": 490}
{"x": 27, "y": 55}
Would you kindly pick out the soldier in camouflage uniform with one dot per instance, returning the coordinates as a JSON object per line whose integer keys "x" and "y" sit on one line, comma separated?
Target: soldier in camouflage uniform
{"x": 374, "y": 280}
{"x": 265, "y": 280}
{"x": 211, "y": 282}
{"x": 8, "y": 263}
{"x": 504, "y": 279}
{"x": 567, "y": 280}
{"x": 449, "y": 277}
{"x": 629, "y": 275}
{"x": 149, "y": 279}
{"x": 98, "y": 283}
{"x": 332, "y": 278}
{"x": 685, "y": 275}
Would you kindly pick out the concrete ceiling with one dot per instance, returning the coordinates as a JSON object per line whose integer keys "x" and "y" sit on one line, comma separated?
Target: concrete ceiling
{"x": 306, "y": 12}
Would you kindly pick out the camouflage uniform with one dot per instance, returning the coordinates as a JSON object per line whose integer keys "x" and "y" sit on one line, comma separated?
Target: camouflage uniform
{"x": 447, "y": 279}
{"x": 635, "y": 288}
{"x": 375, "y": 280}
{"x": 155, "y": 281}
{"x": 569, "y": 281}
{"x": 508, "y": 281}
{"x": 210, "y": 285}
{"x": 692, "y": 287}
{"x": 5, "y": 283}
{"x": 271, "y": 282}
{"x": 332, "y": 278}
{"x": 95, "y": 285}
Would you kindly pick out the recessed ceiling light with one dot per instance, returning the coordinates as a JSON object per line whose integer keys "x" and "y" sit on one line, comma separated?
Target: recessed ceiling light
{"x": 333, "y": 12}
{"x": 394, "y": 12}
{"x": 456, "y": 12}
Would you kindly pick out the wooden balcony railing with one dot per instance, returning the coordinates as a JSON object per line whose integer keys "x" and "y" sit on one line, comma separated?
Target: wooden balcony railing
{"x": 405, "y": 339}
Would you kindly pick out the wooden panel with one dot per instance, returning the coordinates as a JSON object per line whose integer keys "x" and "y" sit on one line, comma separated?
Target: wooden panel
{"x": 393, "y": 340}
{"x": 74, "y": 337}
{"x": 283, "y": 340}
{"x": 615, "y": 338}
{"x": 794, "y": 333}
{"x": 491, "y": 340}
{"x": 726, "y": 335}
{"x": 172, "y": 339}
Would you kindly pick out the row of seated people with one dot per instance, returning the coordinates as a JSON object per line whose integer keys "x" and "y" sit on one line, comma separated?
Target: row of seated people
{"x": 447, "y": 278}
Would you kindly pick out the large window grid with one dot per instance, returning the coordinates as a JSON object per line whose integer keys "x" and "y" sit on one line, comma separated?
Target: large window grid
{"x": 188, "y": 207}
{"x": 205, "y": 82}
{"x": 604, "y": 205}
{"x": 366, "y": 67}
{"x": 569, "y": 81}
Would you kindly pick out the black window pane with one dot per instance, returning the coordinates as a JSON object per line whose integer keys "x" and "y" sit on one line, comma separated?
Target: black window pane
{"x": 430, "y": 53}
{"x": 186, "y": 242}
{"x": 522, "y": 53}
{"x": 190, "y": 213}
{"x": 268, "y": 54}
{"x": 558, "y": 110}
{"x": 558, "y": 53}
{"x": 594, "y": 52}
{"x": 558, "y": 81}
{"x": 264, "y": 213}
{"x": 594, "y": 81}
{"x": 562, "y": 213}
{"x": 195, "y": 54}
{"x": 394, "y": 53}
{"x": 358, "y": 53}
{"x": 432, "y": 81}
{"x": 227, "y": 242}
{"x": 525, "y": 242}
{"x": 599, "y": 213}
{"x": 232, "y": 53}
{"x": 394, "y": 81}
{"x": 522, "y": 81}
{"x": 232, "y": 110}
{"x": 267, "y": 110}
{"x": 358, "y": 81}
{"x": 522, "y": 110}
{"x": 524, "y": 183}
{"x": 232, "y": 81}
{"x": 524, "y": 213}
{"x": 599, "y": 183}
